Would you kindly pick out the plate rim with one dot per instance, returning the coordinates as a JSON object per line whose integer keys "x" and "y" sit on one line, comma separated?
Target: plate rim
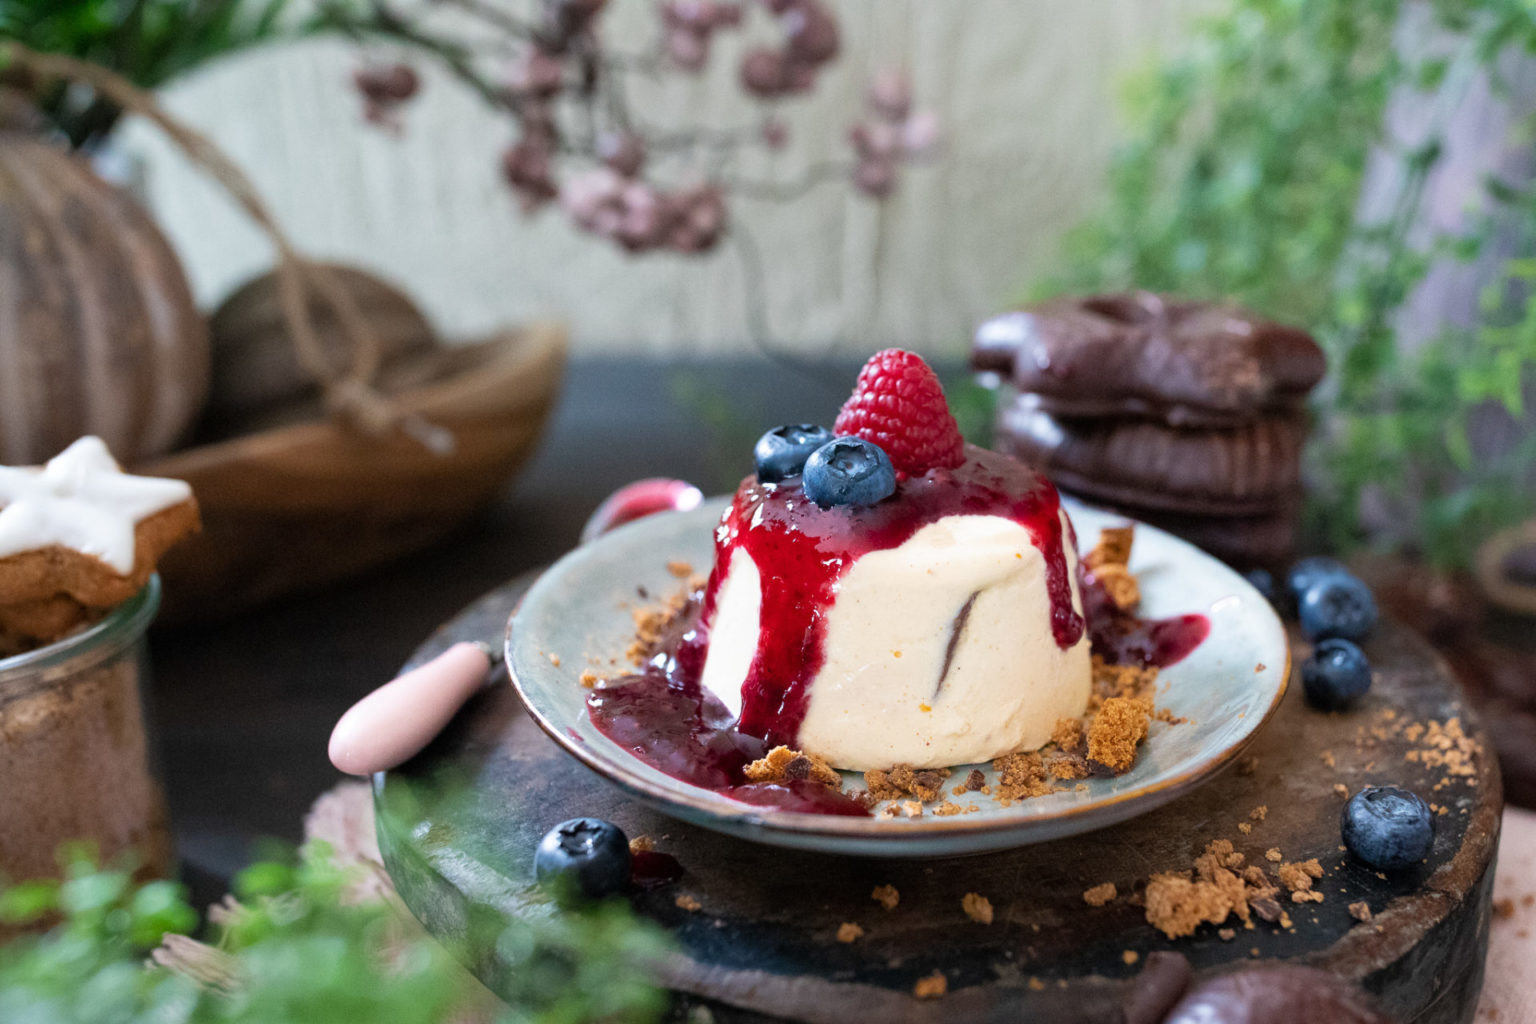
{"x": 705, "y": 809}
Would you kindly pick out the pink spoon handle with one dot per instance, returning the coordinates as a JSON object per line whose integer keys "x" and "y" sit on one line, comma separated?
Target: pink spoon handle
{"x": 394, "y": 722}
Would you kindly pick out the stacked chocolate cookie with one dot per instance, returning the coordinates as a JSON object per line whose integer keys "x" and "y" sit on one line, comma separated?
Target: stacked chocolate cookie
{"x": 1187, "y": 415}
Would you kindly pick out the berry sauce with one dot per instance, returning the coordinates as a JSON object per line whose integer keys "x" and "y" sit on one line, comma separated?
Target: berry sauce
{"x": 664, "y": 716}
{"x": 1121, "y": 638}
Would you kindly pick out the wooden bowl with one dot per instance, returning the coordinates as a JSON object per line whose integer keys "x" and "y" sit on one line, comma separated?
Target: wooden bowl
{"x": 294, "y": 507}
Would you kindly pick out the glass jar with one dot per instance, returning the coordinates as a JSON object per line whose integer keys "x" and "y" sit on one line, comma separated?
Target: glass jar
{"x": 74, "y": 754}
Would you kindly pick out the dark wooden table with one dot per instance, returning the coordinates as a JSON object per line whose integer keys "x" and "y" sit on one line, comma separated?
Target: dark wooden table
{"x": 243, "y": 708}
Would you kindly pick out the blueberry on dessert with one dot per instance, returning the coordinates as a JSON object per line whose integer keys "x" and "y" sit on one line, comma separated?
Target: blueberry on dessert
{"x": 1387, "y": 827}
{"x": 849, "y": 471}
{"x": 1335, "y": 675}
{"x": 1337, "y": 605}
{"x": 905, "y": 598}
{"x": 781, "y": 453}
{"x": 583, "y": 857}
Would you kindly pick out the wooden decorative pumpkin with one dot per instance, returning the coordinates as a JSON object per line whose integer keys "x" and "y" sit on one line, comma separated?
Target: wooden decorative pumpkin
{"x": 98, "y": 330}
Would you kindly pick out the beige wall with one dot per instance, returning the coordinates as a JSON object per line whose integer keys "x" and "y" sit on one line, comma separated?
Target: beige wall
{"x": 1025, "y": 89}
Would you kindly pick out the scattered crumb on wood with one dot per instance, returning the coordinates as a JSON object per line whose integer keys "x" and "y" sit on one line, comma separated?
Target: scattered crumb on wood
{"x": 977, "y": 907}
{"x": 886, "y": 896}
{"x": 1100, "y": 894}
{"x": 849, "y": 932}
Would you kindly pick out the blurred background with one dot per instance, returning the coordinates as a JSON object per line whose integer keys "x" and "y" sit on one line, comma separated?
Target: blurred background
{"x": 406, "y": 288}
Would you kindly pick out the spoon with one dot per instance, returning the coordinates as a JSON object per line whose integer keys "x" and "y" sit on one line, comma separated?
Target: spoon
{"x": 393, "y": 723}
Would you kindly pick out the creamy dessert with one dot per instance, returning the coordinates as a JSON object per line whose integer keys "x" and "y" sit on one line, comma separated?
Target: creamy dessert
{"x": 941, "y": 626}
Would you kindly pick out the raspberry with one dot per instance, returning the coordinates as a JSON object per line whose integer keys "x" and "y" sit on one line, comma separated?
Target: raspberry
{"x": 898, "y": 404}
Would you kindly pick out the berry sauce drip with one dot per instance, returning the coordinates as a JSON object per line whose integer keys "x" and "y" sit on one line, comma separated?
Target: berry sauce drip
{"x": 1121, "y": 638}
{"x": 810, "y": 548}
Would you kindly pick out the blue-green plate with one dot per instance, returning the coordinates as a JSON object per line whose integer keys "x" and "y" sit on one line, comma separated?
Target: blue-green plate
{"x": 580, "y": 611}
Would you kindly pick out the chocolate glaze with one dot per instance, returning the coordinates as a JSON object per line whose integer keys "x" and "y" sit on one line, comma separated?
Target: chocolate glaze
{"x": 665, "y": 717}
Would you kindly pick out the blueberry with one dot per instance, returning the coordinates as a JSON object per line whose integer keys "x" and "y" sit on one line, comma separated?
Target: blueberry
{"x": 1336, "y": 675}
{"x": 781, "y": 453}
{"x": 1263, "y": 582}
{"x": 1309, "y": 571}
{"x": 1387, "y": 827}
{"x": 1337, "y": 606}
{"x": 849, "y": 471}
{"x": 583, "y": 857}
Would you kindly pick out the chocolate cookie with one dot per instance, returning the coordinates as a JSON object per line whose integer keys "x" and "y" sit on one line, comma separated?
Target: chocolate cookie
{"x": 1142, "y": 354}
{"x": 1244, "y": 470}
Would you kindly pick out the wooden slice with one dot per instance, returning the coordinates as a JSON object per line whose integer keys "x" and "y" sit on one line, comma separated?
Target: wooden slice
{"x": 764, "y": 939}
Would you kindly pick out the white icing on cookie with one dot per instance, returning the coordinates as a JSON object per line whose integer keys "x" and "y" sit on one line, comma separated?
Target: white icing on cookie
{"x": 82, "y": 500}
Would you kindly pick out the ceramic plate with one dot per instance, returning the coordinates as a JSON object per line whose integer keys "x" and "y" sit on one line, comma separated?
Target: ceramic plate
{"x": 580, "y": 610}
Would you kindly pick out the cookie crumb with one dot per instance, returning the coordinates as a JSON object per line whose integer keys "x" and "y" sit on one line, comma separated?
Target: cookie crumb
{"x": 1130, "y": 956}
{"x": 901, "y": 780}
{"x": 680, "y": 570}
{"x": 642, "y": 844}
{"x": 1244, "y": 827}
{"x": 554, "y": 659}
{"x": 588, "y": 679}
{"x": 1259, "y": 813}
{"x": 912, "y": 809}
{"x": 1068, "y": 733}
{"x": 1100, "y": 894}
{"x": 689, "y": 903}
{"x": 1341, "y": 791}
{"x": 1036, "y": 985}
{"x": 1020, "y": 777}
{"x": 947, "y": 809}
{"x": 1360, "y": 911}
{"x": 886, "y": 896}
{"x": 931, "y": 987}
{"x": 1120, "y": 725}
{"x": 1298, "y": 876}
{"x": 1273, "y": 855}
{"x": 1226, "y": 934}
{"x": 1113, "y": 548}
{"x": 1504, "y": 909}
{"x": 977, "y": 907}
{"x": 1119, "y": 585}
{"x": 849, "y": 932}
{"x": 782, "y": 764}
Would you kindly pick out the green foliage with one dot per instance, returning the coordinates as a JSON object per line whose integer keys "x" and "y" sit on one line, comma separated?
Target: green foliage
{"x": 296, "y": 950}
{"x": 147, "y": 41}
{"x": 1244, "y": 178}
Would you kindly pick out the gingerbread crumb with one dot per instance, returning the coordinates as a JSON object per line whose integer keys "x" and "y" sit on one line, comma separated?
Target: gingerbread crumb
{"x": 1113, "y": 548}
{"x": 1120, "y": 725}
{"x": 1068, "y": 734}
{"x": 588, "y": 679}
{"x": 1100, "y": 894}
{"x": 1298, "y": 876}
{"x": 903, "y": 780}
{"x": 931, "y": 987}
{"x": 912, "y": 809}
{"x": 886, "y": 896}
{"x": 1259, "y": 813}
{"x": 977, "y": 907}
{"x": 642, "y": 844}
{"x": 680, "y": 570}
{"x": 1119, "y": 585}
{"x": 1360, "y": 911}
{"x": 947, "y": 809}
{"x": 1273, "y": 855}
{"x": 782, "y": 764}
{"x": 849, "y": 932}
{"x": 1244, "y": 827}
{"x": 689, "y": 903}
{"x": 1020, "y": 777}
